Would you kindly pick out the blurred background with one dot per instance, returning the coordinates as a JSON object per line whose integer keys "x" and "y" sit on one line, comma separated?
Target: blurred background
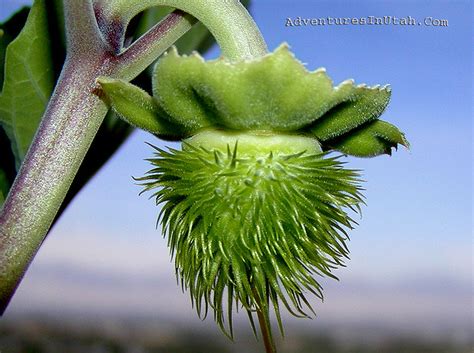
{"x": 104, "y": 282}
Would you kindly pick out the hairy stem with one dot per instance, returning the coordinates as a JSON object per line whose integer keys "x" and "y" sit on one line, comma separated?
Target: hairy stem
{"x": 68, "y": 127}
{"x": 152, "y": 44}
{"x": 82, "y": 34}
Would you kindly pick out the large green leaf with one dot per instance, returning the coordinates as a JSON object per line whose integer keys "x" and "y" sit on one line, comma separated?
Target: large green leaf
{"x": 28, "y": 81}
{"x": 8, "y": 31}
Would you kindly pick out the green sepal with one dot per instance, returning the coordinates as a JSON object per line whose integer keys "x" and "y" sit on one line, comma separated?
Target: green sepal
{"x": 364, "y": 104}
{"x": 274, "y": 92}
{"x": 138, "y": 108}
{"x": 370, "y": 140}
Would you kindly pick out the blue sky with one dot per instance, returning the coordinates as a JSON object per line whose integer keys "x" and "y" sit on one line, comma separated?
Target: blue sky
{"x": 411, "y": 256}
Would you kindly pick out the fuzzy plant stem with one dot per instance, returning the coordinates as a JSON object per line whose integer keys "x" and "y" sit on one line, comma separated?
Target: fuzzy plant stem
{"x": 229, "y": 22}
{"x": 75, "y": 113}
{"x": 65, "y": 133}
{"x": 67, "y": 129}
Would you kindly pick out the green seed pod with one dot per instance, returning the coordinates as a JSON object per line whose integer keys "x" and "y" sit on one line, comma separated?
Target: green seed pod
{"x": 254, "y": 206}
{"x": 256, "y": 216}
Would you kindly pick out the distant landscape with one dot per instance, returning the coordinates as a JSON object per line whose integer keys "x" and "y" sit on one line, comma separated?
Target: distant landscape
{"x": 48, "y": 334}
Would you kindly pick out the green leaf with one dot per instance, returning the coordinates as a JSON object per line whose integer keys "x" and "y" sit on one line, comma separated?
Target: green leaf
{"x": 137, "y": 107}
{"x": 274, "y": 92}
{"x": 9, "y": 30}
{"x": 28, "y": 82}
{"x": 364, "y": 104}
{"x": 370, "y": 140}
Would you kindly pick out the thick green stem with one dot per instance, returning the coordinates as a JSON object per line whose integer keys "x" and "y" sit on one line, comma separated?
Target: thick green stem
{"x": 229, "y": 22}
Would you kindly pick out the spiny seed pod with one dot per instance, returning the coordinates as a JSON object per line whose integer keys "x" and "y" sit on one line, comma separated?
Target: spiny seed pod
{"x": 254, "y": 205}
{"x": 255, "y": 216}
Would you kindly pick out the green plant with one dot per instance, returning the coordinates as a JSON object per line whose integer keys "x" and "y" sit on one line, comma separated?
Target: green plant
{"x": 254, "y": 204}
